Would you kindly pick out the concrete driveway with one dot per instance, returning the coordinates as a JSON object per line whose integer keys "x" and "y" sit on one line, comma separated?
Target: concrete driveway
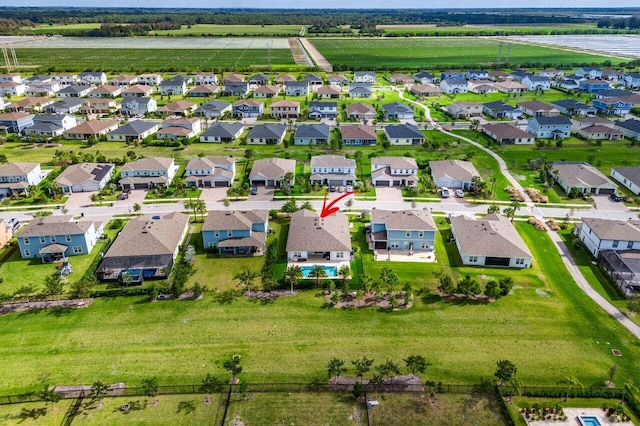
{"x": 211, "y": 195}
{"x": 136, "y": 196}
{"x": 78, "y": 200}
{"x": 388, "y": 194}
{"x": 264, "y": 194}
{"x": 604, "y": 203}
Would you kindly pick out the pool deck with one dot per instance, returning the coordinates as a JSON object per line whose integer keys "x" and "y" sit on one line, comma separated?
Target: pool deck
{"x": 405, "y": 256}
{"x": 573, "y": 414}
{"x": 336, "y": 265}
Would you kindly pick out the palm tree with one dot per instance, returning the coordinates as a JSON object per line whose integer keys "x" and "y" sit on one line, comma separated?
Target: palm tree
{"x": 190, "y": 204}
{"x": 493, "y": 208}
{"x": 509, "y": 212}
{"x": 307, "y": 206}
{"x": 317, "y": 272}
{"x": 367, "y": 283}
{"x": 288, "y": 178}
{"x": 344, "y": 272}
{"x": 570, "y": 382}
{"x": 292, "y": 275}
{"x": 245, "y": 279}
{"x": 200, "y": 207}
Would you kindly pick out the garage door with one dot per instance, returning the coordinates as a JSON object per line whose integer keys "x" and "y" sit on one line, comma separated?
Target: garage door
{"x": 607, "y": 191}
{"x": 258, "y": 182}
{"x": 496, "y": 261}
{"x": 396, "y": 183}
{"x": 219, "y": 183}
{"x": 382, "y": 183}
{"x": 335, "y": 182}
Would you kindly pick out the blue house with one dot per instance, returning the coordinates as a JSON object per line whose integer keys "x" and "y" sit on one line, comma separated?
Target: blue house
{"x": 632, "y": 80}
{"x": 235, "y": 232}
{"x": 591, "y": 86}
{"x": 613, "y": 106}
{"x": 549, "y": 127}
{"x": 589, "y": 72}
{"x": 247, "y": 108}
{"x": 55, "y": 237}
{"x": 406, "y": 230}
{"x": 16, "y": 122}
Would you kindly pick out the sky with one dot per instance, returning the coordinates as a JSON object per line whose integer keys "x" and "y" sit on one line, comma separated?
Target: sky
{"x": 327, "y": 4}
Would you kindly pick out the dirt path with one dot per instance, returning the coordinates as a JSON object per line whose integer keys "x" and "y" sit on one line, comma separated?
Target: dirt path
{"x": 299, "y": 55}
{"x": 317, "y": 57}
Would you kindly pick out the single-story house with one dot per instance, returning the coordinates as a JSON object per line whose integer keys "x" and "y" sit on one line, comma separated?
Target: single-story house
{"x": 204, "y": 91}
{"x": 91, "y": 129}
{"x": 499, "y": 109}
{"x": 538, "y": 109}
{"x": 183, "y": 108}
{"x": 135, "y": 130}
{"x": 582, "y": 176}
{"x": 358, "y": 135}
{"x": 271, "y": 171}
{"x": 598, "y": 132}
{"x": 213, "y": 109}
{"x": 222, "y": 132}
{"x": 404, "y": 134}
{"x": 360, "y": 111}
{"x": 141, "y": 90}
{"x": 312, "y": 134}
{"x": 630, "y": 128}
{"x": 505, "y": 133}
{"x": 329, "y": 92}
{"x": 283, "y": 78}
{"x": 424, "y": 77}
{"x": 400, "y": 78}
{"x": 266, "y": 91}
{"x": 397, "y": 111}
{"x": 360, "y": 90}
{"x": 510, "y": 86}
{"x": 267, "y": 134}
{"x": 629, "y": 177}
{"x": 453, "y": 173}
{"x": 85, "y": 177}
{"x": 337, "y": 80}
{"x": 424, "y": 90}
{"x": 570, "y": 107}
{"x": 106, "y": 91}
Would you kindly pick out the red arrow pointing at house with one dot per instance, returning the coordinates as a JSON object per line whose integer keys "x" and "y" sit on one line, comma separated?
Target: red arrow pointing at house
{"x": 329, "y": 209}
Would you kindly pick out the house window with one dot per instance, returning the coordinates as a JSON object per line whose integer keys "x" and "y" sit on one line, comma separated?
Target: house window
{"x": 424, "y": 245}
{"x": 408, "y": 233}
{"x": 216, "y": 234}
{"x": 26, "y": 240}
{"x": 615, "y": 244}
{"x": 77, "y": 249}
{"x": 629, "y": 244}
{"x": 43, "y": 240}
{"x": 420, "y": 234}
{"x": 53, "y": 238}
{"x": 339, "y": 255}
{"x": 211, "y": 245}
{"x": 395, "y": 244}
{"x": 519, "y": 261}
{"x": 67, "y": 238}
{"x": 27, "y": 253}
{"x": 229, "y": 233}
{"x": 473, "y": 259}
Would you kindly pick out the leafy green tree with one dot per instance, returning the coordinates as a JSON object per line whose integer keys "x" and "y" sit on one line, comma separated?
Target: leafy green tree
{"x": 198, "y": 289}
{"x": 98, "y": 390}
{"x": 506, "y": 284}
{"x": 317, "y": 272}
{"x": 81, "y": 288}
{"x": 307, "y": 206}
{"x": 233, "y": 366}
{"x": 493, "y": 208}
{"x": 388, "y": 369}
{"x": 344, "y": 272}
{"x": 468, "y": 286}
{"x": 505, "y": 371}
{"x": 211, "y": 384}
{"x": 367, "y": 283}
{"x": 245, "y": 279}
{"x": 53, "y": 285}
{"x": 48, "y": 395}
{"x": 292, "y": 275}
{"x": 290, "y": 206}
{"x": 416, "y": 364}
{"x": 150, "y": 386}
{"x": 357, "y": 390}
{"x": 136, "y": 207}
{"x": 491, "y": 290}
{"x": 335, "y": 367}
{"x": 446, "y": 284}
{"x": 362, "y": 366}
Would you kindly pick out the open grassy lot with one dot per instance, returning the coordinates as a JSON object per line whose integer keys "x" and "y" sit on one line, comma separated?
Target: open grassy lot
{"x": 34, "y": 413}
{"x": 151, "y": 60}
{"x": 442, "y": 409}
{"x": 272, "y": 408}
{"x": 414, "y": 53}
{"x": 471, "y": 30}
{"x": 231, "y": 30}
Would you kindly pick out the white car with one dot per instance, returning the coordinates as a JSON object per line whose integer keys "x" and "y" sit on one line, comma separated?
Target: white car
{"x": 459, "y": 193}
{"x": 444, "y": 192}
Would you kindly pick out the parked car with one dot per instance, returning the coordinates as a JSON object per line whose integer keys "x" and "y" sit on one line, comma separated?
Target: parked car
{"x": 332, "y": 188}
{"x": 341, "y": 189}
{"x": 459, "y": 193}
{"x": 254, "y": 190}
{"x": 349, "y": 188}
{"x": 444, "y": 192}
{"x": 615, "y": 197}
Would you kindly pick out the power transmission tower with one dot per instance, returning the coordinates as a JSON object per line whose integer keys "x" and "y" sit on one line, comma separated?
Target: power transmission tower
{"x": 507, "y": 58}
{"x": 9, "y": 55}
{"x": 500, "y": 44}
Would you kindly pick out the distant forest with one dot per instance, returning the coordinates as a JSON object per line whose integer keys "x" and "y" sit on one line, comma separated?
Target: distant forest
{"x": 142, "y": 20}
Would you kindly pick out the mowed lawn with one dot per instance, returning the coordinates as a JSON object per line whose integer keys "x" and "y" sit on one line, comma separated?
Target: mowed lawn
{"x": 547, "y": 327}
{"x": 413, "y": 53}
{"x": 34, "y": 413}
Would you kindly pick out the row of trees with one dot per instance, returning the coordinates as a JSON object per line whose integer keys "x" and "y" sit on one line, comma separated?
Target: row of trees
{"x": 471, "y": 288}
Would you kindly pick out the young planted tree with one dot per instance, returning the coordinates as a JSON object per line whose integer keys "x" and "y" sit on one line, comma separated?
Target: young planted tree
{"x": 362, "y": 366}
{"x": 53, "y": 285}
{"x": 292, "y": 275}
{"x": 506, "y": 284}
{"x": 416, "y": 364}
{"x": 344, "y": 272}
{"x": 233, "y": 366}
{"x": 446, "y": 284}
{"x": 367, "y": 283}
{"x": 491, "y": 290}
{"x": 335, "y": 367}
{"x": 245, "y": 279}
{"x": 505, "y": 371}
{"x": 468, "y": 286}
{"x": 211, "y": 384}
{"x": 150, "y": 386}
{"x": 98, "y": 390}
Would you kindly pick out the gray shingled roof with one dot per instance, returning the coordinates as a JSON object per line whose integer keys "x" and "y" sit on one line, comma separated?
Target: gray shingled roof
{"x": 631, "y": 173}
{"x": 200, "y": 163}
{"x": 266, "y": 131}
{"x": 321, "y": 131}
{"x": 151, "y": 163}
{"x": 55, "y": 225}
{"x": 225, "y": 130}
{"x": 233, "y": 220}
{"x": 403, "y": 131}
{"x": 506, "y": 131}
{"x": 607, "y": 229}
{"x": 552, "y": 121}
{"x": 631, "y": 124}
{"x": 576, "y": 174}
{"x": 397, "y": 107}
{"x": 134, "y": 128}
{"x": 395, "y": 162}
{"x": 17, "y": 169}
{"x": 309, "y": 232}
{"x": 491, "y": 236}
{"x": 331, "y": 161}
{"x": 453, "y": 169}
{"x": 415, "y": 220}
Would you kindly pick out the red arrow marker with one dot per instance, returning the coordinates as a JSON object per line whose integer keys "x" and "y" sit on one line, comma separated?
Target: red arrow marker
{"x": 329, "y": 209}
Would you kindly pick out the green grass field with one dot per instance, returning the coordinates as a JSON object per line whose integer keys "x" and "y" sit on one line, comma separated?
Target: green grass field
{"x": 471, "y": 30}
{"x": 231, "y": 30}
{"x": 415, "y": 53}
{"x": 152, "y": 60}
{"x": 34, "y": 413}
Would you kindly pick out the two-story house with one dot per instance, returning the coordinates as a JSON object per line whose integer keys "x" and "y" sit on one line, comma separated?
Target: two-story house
{"x": 464, "y": 109}
{"x": 174, "y": 128}
{"x": 319, "y": 109}
{"x": 296, "y": 88}
{"x": 239, "y": 88}
{"x": 589, "y": 72}
{"x": 608, "y": 234}
{"x": 173, "y": 87}
{"x": 630, "y": 128}
{"x": 505, "y": 133}
{"x": 536, "y": 82}
{"x": 314, "y": 239}
{"x": 210, "y": 172}
{"x": 99, "y": 106}
{"x": 591, "y": 86}
{"x": 477, "y": 75}
{"x": 632, "y": 80}
{"x": 96, "y": 78}
{"x": 402, "y": 230}
{"x": 206, "y": 78}
{"x": 133, "y": 106}
{"x": 12, "y": 88}
{"x": 394, "y": 171}
{"x": 18, "y": 177}
{"x": 332, "y": 170}
{"x": 150, "y": 79}
{"x": 15, "y": 122}
{"x": 247, "y": 108}
{"x": 549, "y": 127}
{"x": 613, "y": 106}
{"x": 364, "y": 77}
{"x": 285, "y": 109}
{"x": 146, "y": 173}
{"x": 235, "y": 232}
{"x": 454, "y": 85}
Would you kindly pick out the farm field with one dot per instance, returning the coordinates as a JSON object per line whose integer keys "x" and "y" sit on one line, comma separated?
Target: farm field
{"x": 231, "y": 30}
{"x": 415, "y": 53}
{"x": 553, "y": 330}
{"x": 151, "y": 60}
{"x": 616, "y": 44}
{"x": 433, "y": 30}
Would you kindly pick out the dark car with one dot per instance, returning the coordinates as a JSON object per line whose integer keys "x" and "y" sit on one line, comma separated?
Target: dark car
{"x": 332, "y": 188}
{"x": 254, "y": 190}
{"x": 615, "y": 197}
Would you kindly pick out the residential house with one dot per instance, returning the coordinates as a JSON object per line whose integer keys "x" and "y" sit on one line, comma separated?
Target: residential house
{"x": 124, "y": 80}
{"x": 404, "y": 134}
{"x": 360, "y": 111}
{"x": 608, "y": 234}
{"x": 97, "y": 78}
{"x": 247, "y": 108}
{"x": 337, "y": 80}
{"x": 15, "y": 122}
{"x": 12, "y": 88}
{"x": 271, "y": 172}
{"x": 612, "y": 93}
{"x": 50, "y": 125}
{"x": 570, "y": 107}
{"x": 18, "y": 177}
{"x": 518, "y": 75}
{"x": 206, "y": 79}
{"x": 477, "y": 75}
{"x": 213, "y": 109}
{"x": 236, "y": 232}
{"x": 612, "y": 106}
{"x": 632, "y": 80}
{"x": 499, "y": 109}
{"x": 402, "y": 230}
{"x": 582, "y": 177}
{"x": 579, "y": 123}
{"x": 505, "y": 133}
{"x": 233, "y": 78}
{"x": 285, "y": 109}
{"x": 332, "y": 170}
{"x": 568, "y": 84}
{"x": 481, "y": 87}
{"x": 464, "y": 109}
{"x": 453, "y": 85}
{"x": 259, "y": 80}
{"x": 322, "y": 239}
{"x": 612, "y": 75}
{"x": 266, "y": 91}
{"x": 549, "y": 127}
{"x": 394, "y": 171}
{"x": 499, "y": 76}
{"x": 99, "y": 106}
{"x": 106, "y": 91}
{"x": 630, "y": 128}
{"x": 453, "y": 173}
{"x": 629, "y": 177}
{"x": 591, "y": 73}
{"x": 535, "y": 82}
{"x": 452, "y": 74}
{"x": 150, "y": 79}
{"x": 146, "y": 248}
{"x": 204, "y": 172}
{"x": 65, "y": 106}
{"x": 267, "y": 134}
{"x": 598, "y": 132}
{"x": 296, "y": 88}
{"x": 424, "y": 90}
{"x": 320, "y": 109}
{"x": 146, "y": 173}
{"x": 360, "y": 90}
{"x": 240, "y": 89}
{"x": 42, "y": 89}
{"x": 364, "y": 77}
{"x": 7, "y": 230}
{"x": 66, "y": 79}
{"x": 591, "y": 86}
{"x": 174, "y": 128}
{"x": 138, "y": 106}
{"x": 284, "y": 78}
{"x": 358, "y": 135}
{"x": 314, "y": 81}
{"x": 490, "y": 241}
{"x": 133, "y": 131}
{"x": 538, "y": 109}
{"x": 400, "y": 78}
{"x": 52, "y": 238}
{"x": 184, "y": 108}
{"x": 75, "y": 91}
{"x": 32, "y": 104}
{"x": 509, "y": 86}
{"x": 91, "y": 129}
{"x": 424, "y": 77}
{"x": 552, "y": 74}
{"x": 173, "y": 87}
{"x": 312, "y": 134}
{"x": 85, "y": 177}
{"x": 14, "y": 77}
{"x": 204, "y": 91}
{"x": 397, "y": 111}
{"x": 222, "y": 132}
{"x": 329, "y": 92}
{"x": 139, "y": 90}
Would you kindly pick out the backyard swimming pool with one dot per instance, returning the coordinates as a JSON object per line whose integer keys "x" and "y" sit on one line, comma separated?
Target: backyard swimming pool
{"x": 332, "y": 271}
{"x": 589, "y": 421}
